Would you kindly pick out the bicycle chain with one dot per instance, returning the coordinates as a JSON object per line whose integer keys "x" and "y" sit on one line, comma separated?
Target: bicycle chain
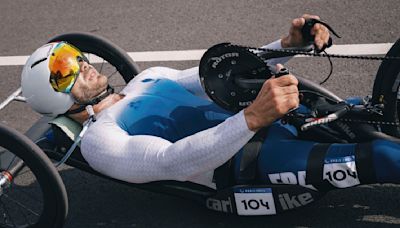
{"x": 371, "y": 122}
{"x": 359, "y": 121}
{"x": 297, "y": 52}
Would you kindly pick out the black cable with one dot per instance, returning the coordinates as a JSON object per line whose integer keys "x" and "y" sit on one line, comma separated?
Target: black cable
{"x": 331, "y": 70}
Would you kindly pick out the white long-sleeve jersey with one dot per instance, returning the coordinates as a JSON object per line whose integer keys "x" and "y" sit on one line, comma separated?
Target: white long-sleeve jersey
{"x": 165, "y": 128}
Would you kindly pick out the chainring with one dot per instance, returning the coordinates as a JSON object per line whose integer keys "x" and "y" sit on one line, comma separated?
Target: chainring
{"x": 220, "y": 68}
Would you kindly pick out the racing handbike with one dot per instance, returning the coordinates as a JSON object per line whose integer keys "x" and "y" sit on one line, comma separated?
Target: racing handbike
{"x": 232, "y": 76}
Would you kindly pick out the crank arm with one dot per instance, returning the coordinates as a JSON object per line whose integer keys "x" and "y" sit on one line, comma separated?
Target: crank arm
{"x": 257, "y": 83}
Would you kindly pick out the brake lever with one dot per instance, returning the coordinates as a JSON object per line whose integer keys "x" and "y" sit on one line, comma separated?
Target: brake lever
{"x": 309, "y": 39}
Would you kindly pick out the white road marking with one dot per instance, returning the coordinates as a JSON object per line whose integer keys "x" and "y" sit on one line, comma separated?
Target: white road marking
{"x": 190, "y": 55}
{"x": 360, "y": 49}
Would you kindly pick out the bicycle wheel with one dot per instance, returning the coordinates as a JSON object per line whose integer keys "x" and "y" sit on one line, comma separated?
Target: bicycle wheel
{"x": 105, "y": 51}
{"x": 36, "y": 196}
{"x": 386, "y": 91}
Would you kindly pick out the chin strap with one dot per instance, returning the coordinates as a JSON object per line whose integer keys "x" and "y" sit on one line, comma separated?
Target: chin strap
{"x": 94, "y": 101}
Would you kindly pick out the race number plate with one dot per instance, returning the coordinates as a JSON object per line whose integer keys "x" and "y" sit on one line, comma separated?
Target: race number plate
{"x": 254, "y": 201}
{"x": 342, "y": 172}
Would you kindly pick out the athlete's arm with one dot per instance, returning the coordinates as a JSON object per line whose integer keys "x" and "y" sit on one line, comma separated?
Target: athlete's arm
{"x": 144, "y": 158}
{"x": 190, "y": 79}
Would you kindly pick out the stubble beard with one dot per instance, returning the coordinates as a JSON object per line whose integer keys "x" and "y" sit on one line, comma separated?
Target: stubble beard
{"x": 89, "y": 92}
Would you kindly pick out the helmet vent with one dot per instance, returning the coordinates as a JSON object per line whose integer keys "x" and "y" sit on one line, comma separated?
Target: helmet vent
{"x": 37, "y": 62}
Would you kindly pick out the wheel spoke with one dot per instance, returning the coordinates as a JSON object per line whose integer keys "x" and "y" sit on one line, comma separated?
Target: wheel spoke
{"x": 23, "y": 173}
{"x": 12, "y": 161}
{"x": 6, "y": 212}
{"x": 28, "y": 195}
{"x": 101, "y": 67}
{"x": 21, "y": 205}
{"x": 112, "y": 74}
{"x": 21, "y": 211}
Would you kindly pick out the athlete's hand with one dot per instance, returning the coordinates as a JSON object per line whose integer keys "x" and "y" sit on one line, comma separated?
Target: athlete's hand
{"x": 276, "y": 97}
{"x": 295, "y": 38}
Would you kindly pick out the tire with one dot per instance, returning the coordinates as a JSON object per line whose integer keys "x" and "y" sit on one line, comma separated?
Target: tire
{"x": 385, "y": 90}
{"x": 55, "y": 204}
{"x": 102, "y": 47}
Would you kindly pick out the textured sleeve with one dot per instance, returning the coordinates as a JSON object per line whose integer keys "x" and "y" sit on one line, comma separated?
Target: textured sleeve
{"x": 190, "y": 78}
{"x": 276, "y": 45}
{"x": 144, "y": 158}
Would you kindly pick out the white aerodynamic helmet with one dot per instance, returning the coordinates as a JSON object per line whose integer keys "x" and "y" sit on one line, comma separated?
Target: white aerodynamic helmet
{"x": 48, "y": 77}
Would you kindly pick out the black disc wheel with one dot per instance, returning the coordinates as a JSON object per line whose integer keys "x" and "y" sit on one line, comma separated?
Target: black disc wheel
{"x": 386, "y": 91}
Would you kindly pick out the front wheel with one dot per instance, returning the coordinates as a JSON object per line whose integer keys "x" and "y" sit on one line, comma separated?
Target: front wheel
{"x": 386, "y": 91}
{"x": 36, "y": 196}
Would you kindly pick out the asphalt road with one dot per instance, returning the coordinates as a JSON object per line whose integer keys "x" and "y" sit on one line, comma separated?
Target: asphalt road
{"x": 189, "y": 24}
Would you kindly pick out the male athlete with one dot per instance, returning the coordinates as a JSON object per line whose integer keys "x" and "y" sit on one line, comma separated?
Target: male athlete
{"x": 162, "y": 126}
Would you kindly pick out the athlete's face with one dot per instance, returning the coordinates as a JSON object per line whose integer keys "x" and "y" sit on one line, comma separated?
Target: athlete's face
{"x": 89, "y": 83}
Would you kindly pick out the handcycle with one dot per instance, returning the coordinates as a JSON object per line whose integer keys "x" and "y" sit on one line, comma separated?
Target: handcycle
{"x": 324, "y": 121}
